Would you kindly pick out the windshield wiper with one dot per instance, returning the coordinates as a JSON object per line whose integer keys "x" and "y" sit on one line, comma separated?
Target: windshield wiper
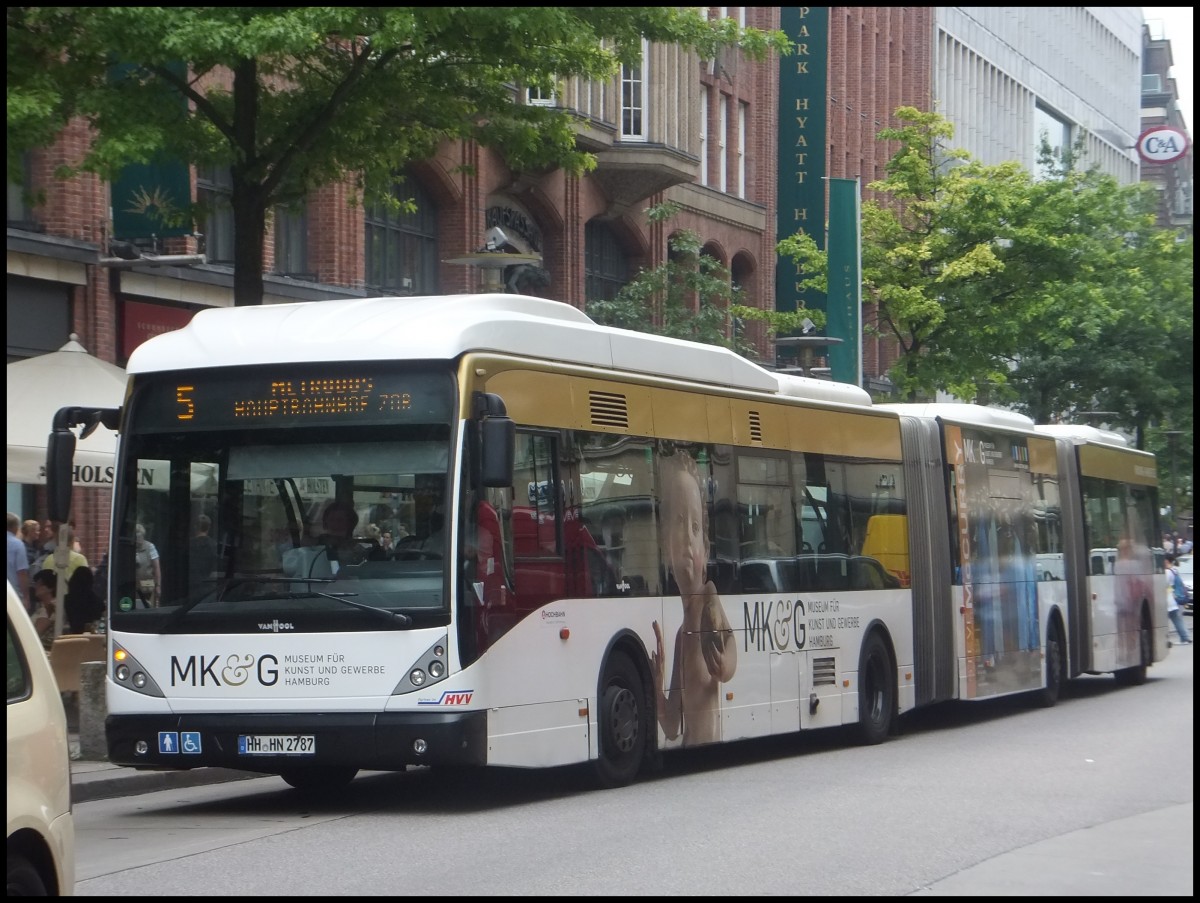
{"x": 402, "y": 618}
{"x": 177, "y": 615}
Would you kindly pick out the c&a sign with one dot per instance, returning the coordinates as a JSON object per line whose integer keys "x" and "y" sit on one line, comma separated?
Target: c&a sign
{"x": 1162, "y": 144}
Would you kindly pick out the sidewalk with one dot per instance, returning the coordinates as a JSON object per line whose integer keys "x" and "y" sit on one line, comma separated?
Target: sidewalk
{"x": 92, "y": 780}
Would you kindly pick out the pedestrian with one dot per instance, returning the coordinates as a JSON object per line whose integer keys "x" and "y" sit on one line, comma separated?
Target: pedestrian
{"x": 81, "y": 606}
{"x": 203, "y": 553}
{"x": 1176, "y": 595}
{"x": 75, "y": 557}
{"x": 18, "y": 561}
{"x": 45, "y": 590}
{"x": 149, "y": 571}
{"x": 31, "y": 533}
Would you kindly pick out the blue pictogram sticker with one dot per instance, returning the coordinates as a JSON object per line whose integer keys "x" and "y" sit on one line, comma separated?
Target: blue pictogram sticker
{"x": 168, "y": 742}
{"x": 189, "y": 742}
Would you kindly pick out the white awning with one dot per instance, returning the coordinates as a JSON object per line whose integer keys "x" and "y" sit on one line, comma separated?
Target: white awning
{"x": 37, "y": 388}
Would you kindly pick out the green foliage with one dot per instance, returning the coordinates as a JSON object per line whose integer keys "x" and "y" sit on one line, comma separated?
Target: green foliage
{"x": 689, "y": 296}
{"x": 1056, "y": 295}
{"x": 292, "y": 98}
{"x": 686, "y": 297}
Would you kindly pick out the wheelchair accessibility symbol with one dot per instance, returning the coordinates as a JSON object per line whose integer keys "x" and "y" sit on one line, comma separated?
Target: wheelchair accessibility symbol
{"x": 190, "y": 742}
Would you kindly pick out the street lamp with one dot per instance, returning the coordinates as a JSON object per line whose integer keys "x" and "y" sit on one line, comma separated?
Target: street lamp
{"x": 805, "y": 346}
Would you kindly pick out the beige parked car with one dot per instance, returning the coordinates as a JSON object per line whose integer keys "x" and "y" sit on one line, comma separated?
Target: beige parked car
{"x": 41, "y": 826}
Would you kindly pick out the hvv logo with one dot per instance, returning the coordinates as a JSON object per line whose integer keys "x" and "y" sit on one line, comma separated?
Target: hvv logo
{"x": 450, "y": 697}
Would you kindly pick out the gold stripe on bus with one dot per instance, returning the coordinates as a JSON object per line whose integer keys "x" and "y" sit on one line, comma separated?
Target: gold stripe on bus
{"x": 542, "y": 395}
{"x": 1042, "y": 456}
{"x": 845, "y": 433}
{"x": 689, "y": 416}
{"x": 1123, "y": 465}
{"x": 562, "y": 401}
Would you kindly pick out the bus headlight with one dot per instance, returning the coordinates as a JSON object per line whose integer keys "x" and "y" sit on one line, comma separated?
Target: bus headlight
{"x": 417, "y": 676}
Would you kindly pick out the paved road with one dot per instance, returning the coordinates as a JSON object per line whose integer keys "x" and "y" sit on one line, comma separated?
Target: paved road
{"x": 1148, "y": 854}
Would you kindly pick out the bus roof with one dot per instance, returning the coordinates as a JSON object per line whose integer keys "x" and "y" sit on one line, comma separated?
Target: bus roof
{"x": 446, "y": 326}
{"x": 1081, "y": 433}
{"x": 966, "y": 414}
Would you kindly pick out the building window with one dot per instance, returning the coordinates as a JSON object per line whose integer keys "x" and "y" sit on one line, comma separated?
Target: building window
{"x": 291, "y": 242}
{"x": 633, "y": 99}
{"x": 743, "y": 109}
{"x": 722, "y": 155}
{"x": 214, "y": 194}
{"x": 1053, "y": 130}
{"x": 605, "y": 271}
{"x": 536, "y": 97}
{"x": 20, "y": 212}
{"x": 703, "y": 136}
{"x": 401, "y": 254}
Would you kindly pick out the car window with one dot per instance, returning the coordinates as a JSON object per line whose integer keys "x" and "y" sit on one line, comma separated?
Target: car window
{"x": 18, "y": 670}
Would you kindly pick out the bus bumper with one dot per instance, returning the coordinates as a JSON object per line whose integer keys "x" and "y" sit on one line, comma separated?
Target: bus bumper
{"x": 386, "y": 741}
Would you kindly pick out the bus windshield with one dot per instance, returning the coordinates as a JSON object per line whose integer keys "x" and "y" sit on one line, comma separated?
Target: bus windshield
{"x": 313, "y": 528}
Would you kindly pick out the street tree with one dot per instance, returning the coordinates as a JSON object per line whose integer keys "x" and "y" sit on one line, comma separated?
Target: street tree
{"x": 292, "y": 98}
{"x": 690, "y": 296}
{"x": 1000, "y": 285}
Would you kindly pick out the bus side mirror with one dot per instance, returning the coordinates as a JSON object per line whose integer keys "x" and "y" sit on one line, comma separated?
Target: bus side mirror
{"x": 497, "y": 442}
{"x": 499, "y": 436}
{"x": 60, "y": 459}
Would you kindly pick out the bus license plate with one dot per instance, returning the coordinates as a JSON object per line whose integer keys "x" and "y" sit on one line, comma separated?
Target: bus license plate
{"x": 277, "y": 744}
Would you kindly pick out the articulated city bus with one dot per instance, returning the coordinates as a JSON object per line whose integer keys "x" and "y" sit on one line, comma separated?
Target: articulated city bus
{"x": 483, "y": 530}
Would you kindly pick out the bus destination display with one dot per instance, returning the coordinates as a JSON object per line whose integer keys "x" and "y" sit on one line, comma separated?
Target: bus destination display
{"x": 293, "y": 398}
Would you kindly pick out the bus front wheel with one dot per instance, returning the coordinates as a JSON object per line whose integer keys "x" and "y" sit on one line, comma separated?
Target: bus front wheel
{"x": 621, "y": 722}
{"x": 876, "y": 691}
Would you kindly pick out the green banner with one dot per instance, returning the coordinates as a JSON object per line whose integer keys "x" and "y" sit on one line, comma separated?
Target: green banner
{"x": 152, "y": 200}
{"x": 803, "y": 125}
{"x": 845, "y": 281}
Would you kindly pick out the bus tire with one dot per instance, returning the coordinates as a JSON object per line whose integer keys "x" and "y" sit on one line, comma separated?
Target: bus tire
{"x": 1136, "y": 676}
{"x": 876, "y": 691}
{"x": 1056, "y": 667}
{"x": 622, "y": 723}
{"x": 320, "y": 778}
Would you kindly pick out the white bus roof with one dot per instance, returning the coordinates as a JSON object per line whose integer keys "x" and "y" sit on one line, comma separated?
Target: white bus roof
{"x": 962, "y": 413}
{"x": 1081, "y": 433}
{"x": 446, "y": 326}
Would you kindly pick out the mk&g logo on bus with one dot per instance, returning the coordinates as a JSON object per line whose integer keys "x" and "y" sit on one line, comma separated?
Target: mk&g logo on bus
{"x": 201, "y": 670}
{"x": 293, "y": 669}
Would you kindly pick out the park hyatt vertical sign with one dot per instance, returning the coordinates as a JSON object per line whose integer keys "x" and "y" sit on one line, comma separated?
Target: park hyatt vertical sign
{"x": 803, "y": 141}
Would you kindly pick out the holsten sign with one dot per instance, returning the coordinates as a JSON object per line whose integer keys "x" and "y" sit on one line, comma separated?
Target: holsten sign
{"x": 1162, "y": 144}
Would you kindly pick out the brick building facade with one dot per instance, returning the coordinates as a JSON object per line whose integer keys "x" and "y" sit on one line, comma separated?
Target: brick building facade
{"x": 699, "y": 133}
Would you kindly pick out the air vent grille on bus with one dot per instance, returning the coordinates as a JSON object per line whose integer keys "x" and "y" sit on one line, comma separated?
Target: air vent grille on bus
{"x": 609, "y": 409}
{"x": 755, "y": 427}
{"x": 824, "y": 672}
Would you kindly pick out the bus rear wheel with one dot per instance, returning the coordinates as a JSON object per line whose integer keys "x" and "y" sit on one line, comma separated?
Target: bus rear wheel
{"x": 621, "y": 722}
{"x": 320, "y": 778}
{"x": 876, "y": 691}
{"x": 1056, "y": 667}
